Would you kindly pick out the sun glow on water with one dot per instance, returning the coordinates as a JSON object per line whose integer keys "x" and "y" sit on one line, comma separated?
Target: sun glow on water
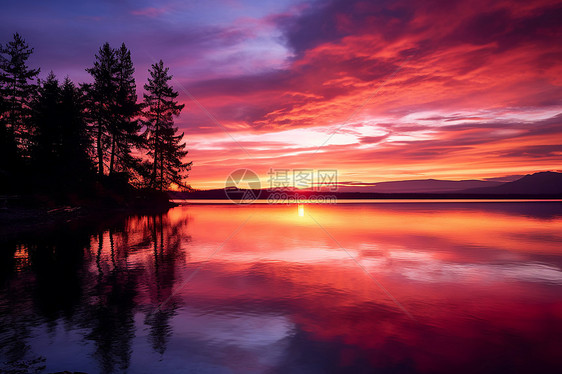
{"x": 301, "y": 210}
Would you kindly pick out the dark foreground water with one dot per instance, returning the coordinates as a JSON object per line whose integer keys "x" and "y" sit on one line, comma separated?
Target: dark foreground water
{"x": 389, "y": 288}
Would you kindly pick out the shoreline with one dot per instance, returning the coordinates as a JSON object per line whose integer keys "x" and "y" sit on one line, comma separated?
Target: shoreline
{"x": 18, "y": 220}
{"x": 15, "y": 221}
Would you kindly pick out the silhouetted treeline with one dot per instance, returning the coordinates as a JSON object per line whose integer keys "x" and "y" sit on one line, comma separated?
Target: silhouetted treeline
{"x": 61, "y": 138}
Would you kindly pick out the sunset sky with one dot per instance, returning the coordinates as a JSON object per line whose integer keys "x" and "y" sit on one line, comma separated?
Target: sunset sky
{"x": 378, "y": 90}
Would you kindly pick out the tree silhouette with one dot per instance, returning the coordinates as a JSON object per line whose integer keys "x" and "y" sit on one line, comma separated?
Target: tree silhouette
{"x": 76, "y": 144}
{"x": 114, "y": 108}
{"x": 8, "y": 147}
{"x": 125, "y": 128}
{"x": 53, "y": 135}
{"x": 61, "y": 144}
{"x": 164, "y": 144}
{"x": 101, "y": 95}
{"x": 16, "y": 91}
{"x": 45, "y": 111}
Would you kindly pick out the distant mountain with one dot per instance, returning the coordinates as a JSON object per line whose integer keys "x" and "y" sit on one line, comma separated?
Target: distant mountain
{"x": 419, "y": 186}
{"x": 543, "y": 183}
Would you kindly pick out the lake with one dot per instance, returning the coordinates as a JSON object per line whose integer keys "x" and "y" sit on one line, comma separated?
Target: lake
{"x": 389, "y": 287}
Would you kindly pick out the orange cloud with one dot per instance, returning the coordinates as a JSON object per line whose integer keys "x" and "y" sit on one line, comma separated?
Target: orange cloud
{"x": 399, "y": 87}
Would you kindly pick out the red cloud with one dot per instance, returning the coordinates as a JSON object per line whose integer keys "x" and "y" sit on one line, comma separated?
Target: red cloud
{"x": 393, "y": 64}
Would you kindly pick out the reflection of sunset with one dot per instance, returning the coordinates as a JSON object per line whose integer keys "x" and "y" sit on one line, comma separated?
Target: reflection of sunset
{"x": 406, "y": 246}
{"x": 263, "y": 278}
{"x": 428, "y": 258}
{"x": 386, "y": 227}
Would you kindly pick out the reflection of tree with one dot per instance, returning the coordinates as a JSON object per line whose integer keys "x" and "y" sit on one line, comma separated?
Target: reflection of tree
{"x": 48, "y": 284}
{"x": 108, "y": 312}
{"x": 56, "y": 263}
{"x": 8, "y": 262}
{"x": 98, "y": 257}
{"x": 14, "y": 327}
{"x": 111, "y": 319}
{"x": 166, "y": 251}
{"x": 95, "y": 279}
{"x": 160, "y": 329}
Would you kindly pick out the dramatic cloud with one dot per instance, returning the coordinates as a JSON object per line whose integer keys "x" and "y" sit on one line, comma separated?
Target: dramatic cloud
{"x": 387, "y": 90}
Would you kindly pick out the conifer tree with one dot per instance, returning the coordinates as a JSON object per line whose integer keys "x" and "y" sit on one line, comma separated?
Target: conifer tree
{"x": 126, "y": 126}
{"x": 16, "y": 92}
{"x": 76, "y": 147}
{"x": 45, "y": 116}
{"x": 61, "y": 145}
{"x": 114, "y": 108}
{"x": 162, "y": 139}
{"x": 101, "y": 99}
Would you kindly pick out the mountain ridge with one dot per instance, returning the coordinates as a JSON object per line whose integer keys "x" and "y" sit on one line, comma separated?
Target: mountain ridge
{"x": 541, "y": 183}
{"x": 419, "y": 186}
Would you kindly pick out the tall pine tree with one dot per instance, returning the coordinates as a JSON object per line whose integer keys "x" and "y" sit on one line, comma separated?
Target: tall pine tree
{"x": 101, "y": 99}
{"x": 16, "y": 92}
{"x": 126, "y": 126}
{"x": 114, "y": 108}
{"x": 76, "y": 143}
{"x": 60, "y": 154}
{"x": 162, "y": 139}
{"x": 47, "y": 140}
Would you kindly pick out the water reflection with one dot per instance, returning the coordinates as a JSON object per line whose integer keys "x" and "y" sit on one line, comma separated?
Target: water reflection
{"x": 221, "y": 288}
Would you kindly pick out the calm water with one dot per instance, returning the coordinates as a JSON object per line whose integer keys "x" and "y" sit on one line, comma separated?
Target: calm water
{"x": 395, "y": 287}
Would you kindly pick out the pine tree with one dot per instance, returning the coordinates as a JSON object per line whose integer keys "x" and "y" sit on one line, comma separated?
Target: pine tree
{"x": 16, "y": 90}
{"x": 125, "y": 128}
{"x": 114, "y": 108}
{"x": 60, "y": 153}
{"x": 45, "y": 113}
{"x": 76, "y": 143}
{"x": 173, "y": 170}
{"x": 164, "y": 144}
{"x": 8, "y": 149}
{"x": 101, "y": 99}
